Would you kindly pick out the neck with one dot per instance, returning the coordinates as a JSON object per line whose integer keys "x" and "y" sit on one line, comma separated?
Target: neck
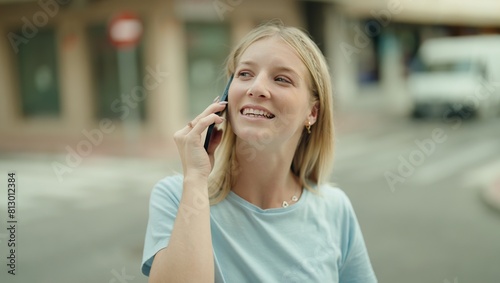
{"x": 264, "y": 178}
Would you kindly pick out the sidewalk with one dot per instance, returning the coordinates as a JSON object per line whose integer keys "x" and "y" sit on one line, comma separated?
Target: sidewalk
{"x": 491, "y": 191}
{"x": 96, "y": 181}
{"x": 369, "y": 106}
{"x": 486, "y": 179}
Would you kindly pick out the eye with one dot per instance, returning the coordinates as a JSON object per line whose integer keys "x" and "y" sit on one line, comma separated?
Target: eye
{"x": 243, "y": 74}
{"x": 283, "y": 80}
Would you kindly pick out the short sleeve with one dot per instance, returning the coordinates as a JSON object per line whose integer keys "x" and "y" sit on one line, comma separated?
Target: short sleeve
{"x": 356, "y": 266}
{"x": 163, "y": 206}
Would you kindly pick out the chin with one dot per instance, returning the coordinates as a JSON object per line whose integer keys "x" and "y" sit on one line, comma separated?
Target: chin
{"x": 255, "y": 136}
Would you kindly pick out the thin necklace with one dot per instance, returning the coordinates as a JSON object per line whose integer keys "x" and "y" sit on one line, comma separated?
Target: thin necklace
{"x": 285, "y": 204}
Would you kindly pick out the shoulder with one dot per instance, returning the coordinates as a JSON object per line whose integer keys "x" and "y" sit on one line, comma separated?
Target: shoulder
{"x": 332, "y": 196}
{"x": 167, "y": 189}
{"x": 332, "y": 202}
{"x": 330, "y": 190}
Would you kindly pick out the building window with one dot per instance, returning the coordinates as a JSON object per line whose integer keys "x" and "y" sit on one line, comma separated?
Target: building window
{"x": 38, "y": 76}
{"x": 208, "y": 46}
{"x": 105, "y": 70}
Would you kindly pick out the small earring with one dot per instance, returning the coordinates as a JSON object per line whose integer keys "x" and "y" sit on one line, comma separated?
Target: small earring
{"x": 308, "y": 127}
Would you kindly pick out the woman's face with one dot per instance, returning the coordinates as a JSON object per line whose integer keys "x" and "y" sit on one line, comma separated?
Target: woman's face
{"x": 269, "y": 98}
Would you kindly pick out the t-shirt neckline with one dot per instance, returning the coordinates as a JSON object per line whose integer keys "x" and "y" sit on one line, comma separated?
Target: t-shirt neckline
{"x": 236, "y": 199}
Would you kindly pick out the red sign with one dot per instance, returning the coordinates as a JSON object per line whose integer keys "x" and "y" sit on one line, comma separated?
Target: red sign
{"x": 125, "y": 30}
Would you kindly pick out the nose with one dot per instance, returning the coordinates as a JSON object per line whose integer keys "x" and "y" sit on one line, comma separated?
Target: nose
{"x": 259, "y": 87}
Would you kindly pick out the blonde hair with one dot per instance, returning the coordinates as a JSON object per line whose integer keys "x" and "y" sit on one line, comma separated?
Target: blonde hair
{"x": 314, "y": 154}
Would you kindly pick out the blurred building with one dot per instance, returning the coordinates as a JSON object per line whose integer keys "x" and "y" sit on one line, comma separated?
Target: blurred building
{"x": 381, "y": 38}
{"x": 60, "y": 75}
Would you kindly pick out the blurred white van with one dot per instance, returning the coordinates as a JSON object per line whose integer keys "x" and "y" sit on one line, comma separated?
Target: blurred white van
{"x": 457, "y": 75}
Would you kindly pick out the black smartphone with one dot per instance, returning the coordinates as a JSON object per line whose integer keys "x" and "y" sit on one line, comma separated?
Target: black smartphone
{"x": 211, "y": 127}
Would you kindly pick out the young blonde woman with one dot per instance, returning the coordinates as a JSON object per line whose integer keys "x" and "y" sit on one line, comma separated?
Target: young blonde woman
{"x": 257, "y": 208}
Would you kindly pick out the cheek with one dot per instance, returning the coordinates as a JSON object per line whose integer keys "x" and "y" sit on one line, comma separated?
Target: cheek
{"x": 236, "y": 91}
{"x": 295, "y": 108}
{"x": 234, "y": 101}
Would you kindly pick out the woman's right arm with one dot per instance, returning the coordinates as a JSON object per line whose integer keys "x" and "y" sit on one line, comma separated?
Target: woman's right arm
{"x": 189, "y": 254}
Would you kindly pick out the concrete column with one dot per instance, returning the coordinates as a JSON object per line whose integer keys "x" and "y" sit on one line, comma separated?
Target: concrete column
{"x": 392, "y": 80}
{"x": 239, "y": 28}
{"x": 167, "y": 101}
{"x": 77, "y": 101}
{"x": 341, "y": 56}
{"x": 10, "y": 111}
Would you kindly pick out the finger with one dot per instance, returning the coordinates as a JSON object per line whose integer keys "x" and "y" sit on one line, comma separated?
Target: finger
{"x": 212, "y": 108}
{"x": 203, "y": 123}
{"x": 186, "y": 129}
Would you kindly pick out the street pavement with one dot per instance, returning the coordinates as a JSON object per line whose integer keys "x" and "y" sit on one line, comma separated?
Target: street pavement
{"x": 415, "y": 186}
{"x": 427, "y": 222}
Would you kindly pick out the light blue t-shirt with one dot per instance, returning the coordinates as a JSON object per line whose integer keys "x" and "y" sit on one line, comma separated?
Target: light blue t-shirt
{"x": 318, "y": 239}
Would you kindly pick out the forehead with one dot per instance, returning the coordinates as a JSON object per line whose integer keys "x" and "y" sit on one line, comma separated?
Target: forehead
{"x": 274, "y": 51}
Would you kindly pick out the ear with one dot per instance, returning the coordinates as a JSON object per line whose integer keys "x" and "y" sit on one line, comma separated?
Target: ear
{"x": 313, "y": 114}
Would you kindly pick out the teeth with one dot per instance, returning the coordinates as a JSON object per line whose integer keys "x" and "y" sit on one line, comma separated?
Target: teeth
{"x": 257, "y": 112}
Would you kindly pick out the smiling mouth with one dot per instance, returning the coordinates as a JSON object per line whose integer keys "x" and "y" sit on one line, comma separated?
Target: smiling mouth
{"x": 256, "y": 113}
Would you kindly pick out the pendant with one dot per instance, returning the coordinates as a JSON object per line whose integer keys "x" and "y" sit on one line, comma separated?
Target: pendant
{"x": 286, "y": 204}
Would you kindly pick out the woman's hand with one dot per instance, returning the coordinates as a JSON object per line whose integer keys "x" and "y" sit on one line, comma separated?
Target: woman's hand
{"x": 189, "y": 140}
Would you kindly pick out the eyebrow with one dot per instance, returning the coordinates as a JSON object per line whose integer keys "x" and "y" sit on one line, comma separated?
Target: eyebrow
{"x": 280, "y": 68}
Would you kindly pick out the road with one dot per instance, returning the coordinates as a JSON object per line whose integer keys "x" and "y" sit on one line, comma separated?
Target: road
{"x": 424, "y": 221}
{"x": 88, "y": 228}
{"x": 415, "y": 186}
